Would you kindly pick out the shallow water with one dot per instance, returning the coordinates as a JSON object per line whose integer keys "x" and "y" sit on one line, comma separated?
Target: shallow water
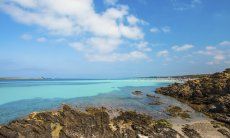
{"x": 19, "y": 98}
{"x": 11, "y": 91}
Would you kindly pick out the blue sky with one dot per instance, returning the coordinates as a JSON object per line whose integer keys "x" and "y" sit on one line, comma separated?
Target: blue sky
{"x": 113, "y": 38}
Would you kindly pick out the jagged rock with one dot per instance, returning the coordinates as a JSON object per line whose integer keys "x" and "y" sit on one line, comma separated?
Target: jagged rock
{"x": 224, "y": 132}
{"x": 94, "y": 122}
{"x": 209, "y": 94}
{"x": 191, "y": 133}
{"x": 222, "y": 118}
{"x": 137, "y": 93}
{"x": 177, "y": 111}
{"x": 155, "y": 103}
{"x": 152, "y": 96}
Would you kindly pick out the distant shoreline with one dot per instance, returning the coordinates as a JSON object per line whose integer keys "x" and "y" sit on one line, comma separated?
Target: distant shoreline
{"x": 170, "y": 78}
{"x": 17, "y": 78}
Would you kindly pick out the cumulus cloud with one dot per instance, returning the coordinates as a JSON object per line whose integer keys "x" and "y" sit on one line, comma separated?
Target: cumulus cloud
{"x": 72, "y": 17}
{"x": 104, "y": 45}
{"x": 224, "y": 43}
{"x": 182, "y": 48}
{"x": 132, "y": 20}
{"x": 163, "y": 53}
{"x": 97, "y": 32}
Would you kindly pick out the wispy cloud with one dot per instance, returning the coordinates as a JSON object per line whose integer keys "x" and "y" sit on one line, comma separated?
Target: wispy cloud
{"x": 163, "y": 53}
{"x": 154, "y": 30}
{"x": 132, "y": 56}
{"x": 217, "y": 55}
{"x": 143, "y": 46}
{"x": 26, "y": 37}
{"x": 164, "y": 29}
{"x": 181, "y": 5}
{"x": 224, "y": 43}
{"x": 41, "y": 39}
{"x": 184, "y": 47}
{"x": 110, "y": 2}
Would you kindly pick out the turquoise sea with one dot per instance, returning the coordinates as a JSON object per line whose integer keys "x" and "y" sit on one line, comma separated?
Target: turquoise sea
{"x": 20, "y": 97}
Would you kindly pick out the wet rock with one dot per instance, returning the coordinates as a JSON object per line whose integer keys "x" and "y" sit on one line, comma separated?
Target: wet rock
{"x": 94, "y": 122}
{"x": 216, "y": 108}
{"x": 155, "y": 103}
{"x": 176, "y": 111}
{"x": 137, "y": 93}
{"x": 152, "y": 96}
{"x": 224, "y": 132}
{"x": 191, "y": 133}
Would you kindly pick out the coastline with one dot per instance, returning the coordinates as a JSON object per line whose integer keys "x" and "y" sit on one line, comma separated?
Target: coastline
{"x": 69, "y": 121}
{"x": 182, "y": 123}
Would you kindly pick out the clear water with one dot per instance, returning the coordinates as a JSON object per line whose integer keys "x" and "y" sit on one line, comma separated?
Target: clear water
{"x": 19, "y": 98}
{"x": 17, "y": 90}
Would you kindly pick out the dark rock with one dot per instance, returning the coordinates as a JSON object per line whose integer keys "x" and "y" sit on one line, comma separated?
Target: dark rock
{"x": 155, "y": 103}
{"x": 209, "y": 94}
{"x": 152, "y": 96}
{"x": 177, "y": 111}
{"x": 191, "y": 133}
{"x": 222, "y": 118}
{"x": 94, "y": 122}
{"x": 137, "y": 93}
{"x": 224, "y": 132}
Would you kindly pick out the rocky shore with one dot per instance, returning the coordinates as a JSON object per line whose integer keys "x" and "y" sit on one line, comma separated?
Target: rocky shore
{"x": 93, "y": 122}
{"x": 209, "y": 94}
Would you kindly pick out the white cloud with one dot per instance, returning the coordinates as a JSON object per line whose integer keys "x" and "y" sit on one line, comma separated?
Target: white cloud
{"x": 224, "y": 43}
{"x": 26, "y": 37}
{"x": 166, "y": 29}
{"x": 181, "y": 5}
{"x": 154, "y": 30}
{"x": 98, "y": 33}
{"x": 132, "y": 20}
{"x": 26, "y": 3}
{"x": 163, "y": 53}
{"x": 73, "y": 17}
{"x": 217, "y": 55}
{"x": 41, "y": 39}
{"x": 143, "y": 46}
{"x": 104, "y": 45}
{"x": 78, "y": 46}
{"x": 210, "y": 48}
{"x": 99, "y": 45}
{"x": 182, "y": 48}
{"x": 131, "y": 32}
{"x": 132, "y": 56}
{"x": 110, "y": 2}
